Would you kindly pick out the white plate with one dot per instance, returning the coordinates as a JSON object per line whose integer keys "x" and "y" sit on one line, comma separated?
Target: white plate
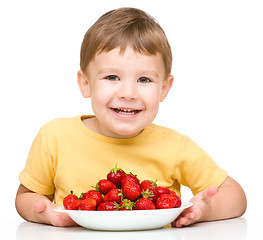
{"x": 125, "y": 220}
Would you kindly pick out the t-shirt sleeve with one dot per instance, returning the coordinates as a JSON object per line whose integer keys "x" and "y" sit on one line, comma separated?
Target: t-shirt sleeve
{"x": 196, "y": 170}
{"x": 38, "y": 174}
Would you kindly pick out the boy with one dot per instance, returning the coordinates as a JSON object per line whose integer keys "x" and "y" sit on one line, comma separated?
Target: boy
{"x": 125, "y": 69}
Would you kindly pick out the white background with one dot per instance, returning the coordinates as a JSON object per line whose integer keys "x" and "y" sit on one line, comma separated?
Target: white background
{"x": 216, "y": 98}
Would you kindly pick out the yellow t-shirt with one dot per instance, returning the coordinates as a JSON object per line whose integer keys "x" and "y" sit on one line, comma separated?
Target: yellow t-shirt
{"x": 66, "y": 155}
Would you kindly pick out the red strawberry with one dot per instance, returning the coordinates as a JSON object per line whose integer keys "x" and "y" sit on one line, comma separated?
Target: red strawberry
{"x": 107, "y": 206}
{"x": 131, "y": 178}
{"x": 126, "y": 204}
{"x": 115, "y": 175}
{"x": 104, "y": 186}
{"x": 75, "y": 205}
{"x": 145, "y": 204}
{"x": 148, "y": 186}
{"x": 162, "y": 190}
{"x": 93, "y": 194}
{"x": 69, "y": 199}
{"x": 131, "y": 190}
{"x": 179, "y": 202}
{"x": 166, "y": 201}
{"x": 113, "y": 195}
{"x": 88, "y": 204}
{"x": 172, "y": 192}
{"x": 147, "y": 194}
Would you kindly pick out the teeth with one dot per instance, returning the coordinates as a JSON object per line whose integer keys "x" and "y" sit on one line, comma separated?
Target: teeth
{"x": 125, "y": 111}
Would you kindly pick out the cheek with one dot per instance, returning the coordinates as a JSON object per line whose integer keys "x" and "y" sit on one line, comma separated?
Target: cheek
{"x": 152, "y": 98}
{"x": 100, "y": 94}
{"x": 151, "y": 104}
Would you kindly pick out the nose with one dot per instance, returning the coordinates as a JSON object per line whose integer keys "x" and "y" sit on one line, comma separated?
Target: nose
{"x": 128, "y": 90}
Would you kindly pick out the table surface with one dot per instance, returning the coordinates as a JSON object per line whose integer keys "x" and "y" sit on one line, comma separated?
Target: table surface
{"x": 234, "y": 229}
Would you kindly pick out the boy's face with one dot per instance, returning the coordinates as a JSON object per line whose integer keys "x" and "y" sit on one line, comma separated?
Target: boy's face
{"x": 125, "y": 91}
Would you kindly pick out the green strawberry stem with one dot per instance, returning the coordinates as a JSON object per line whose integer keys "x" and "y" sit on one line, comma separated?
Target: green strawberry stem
{"x": 147, "y": 194}
{"x": 115, "y": 169}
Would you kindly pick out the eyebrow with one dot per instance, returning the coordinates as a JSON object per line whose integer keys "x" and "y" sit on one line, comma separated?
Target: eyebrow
{"x": 106, "y": 70}
{"x": 151, "y": 73}
{"x": 116, "y": 70}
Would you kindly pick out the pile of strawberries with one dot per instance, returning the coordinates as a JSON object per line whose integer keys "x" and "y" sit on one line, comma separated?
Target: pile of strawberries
{"x": 121, "y": 191}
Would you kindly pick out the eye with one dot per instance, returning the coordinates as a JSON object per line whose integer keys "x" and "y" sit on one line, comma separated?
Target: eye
{"x": 112, "y": 78}
{"x": 144, "y": 80}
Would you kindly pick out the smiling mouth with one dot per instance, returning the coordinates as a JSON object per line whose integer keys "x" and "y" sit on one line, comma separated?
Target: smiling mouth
{"x": 126, "y": 111}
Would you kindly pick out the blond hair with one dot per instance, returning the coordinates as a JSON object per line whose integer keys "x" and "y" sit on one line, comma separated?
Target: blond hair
{"x": 123, "y": 27}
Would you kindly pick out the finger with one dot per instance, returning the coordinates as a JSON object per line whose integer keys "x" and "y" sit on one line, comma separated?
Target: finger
{"x": 212, "y": 191}
{"x": 40, "y": 206}
{"x": 191, "y": 212}
{"x": 186, "y": 211}
{"x": 179, "y": 222}
{"x": 188, "y": 217}
{"x": 62, "y": 220}
{"x": 209, "y": 193}
{"x": 183, "y": 222}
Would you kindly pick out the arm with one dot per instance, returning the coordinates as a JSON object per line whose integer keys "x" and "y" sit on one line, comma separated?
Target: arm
{"x": 38, "y": 208}
{"x": 227, "y": 201}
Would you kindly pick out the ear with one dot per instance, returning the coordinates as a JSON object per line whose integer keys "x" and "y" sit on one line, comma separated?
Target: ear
{"x": 83, "y": 84}
{"x": 166, "y": 87}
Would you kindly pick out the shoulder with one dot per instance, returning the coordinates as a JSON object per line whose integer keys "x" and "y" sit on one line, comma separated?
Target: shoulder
{"x": 59, "y": 127}
{"x": 164, "y": 131}
{"x": 57, "y": 131}
{"x": 167, "y": 136}
{"x": 57, "y": 123}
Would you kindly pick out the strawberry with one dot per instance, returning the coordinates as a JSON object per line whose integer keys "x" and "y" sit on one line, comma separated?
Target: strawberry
{"x": 93, "y": 194}
{"x": 147, "y": 194}
{"x": 131, "y": 190}
{"x": 145, "y": 204}
{"x": 88, "y": 204}
{"x": 114, "y": 195}
{"x": 107, "y": 206}
{"x": 166, "y": 201}
{"x": 69, "y": 199}
{"x": 131, "y": 178}
{"x": 162, "y": 190}
{"x": 179, "y": 202}
{"x": 148, "y": 186}
{"x": 115, "y": 175}
{"x": 104, "y": 186}
{"x": 126, "y": 204}
{"x": 172, "y": 192}
{"x": 75, "y": 205}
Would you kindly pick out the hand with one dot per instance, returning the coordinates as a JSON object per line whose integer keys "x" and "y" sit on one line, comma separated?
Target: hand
{"x": 44, "y": 207}
{"x": 200, "y": 209}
